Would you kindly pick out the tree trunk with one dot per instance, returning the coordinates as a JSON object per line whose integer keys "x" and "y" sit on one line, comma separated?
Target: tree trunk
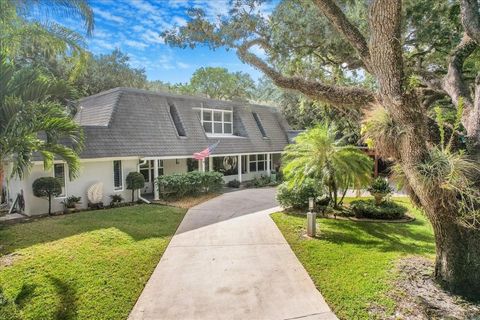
{"x": 2, "y": 176}
{"x": 49, "y": 204}
{"x": 457, "y": 265}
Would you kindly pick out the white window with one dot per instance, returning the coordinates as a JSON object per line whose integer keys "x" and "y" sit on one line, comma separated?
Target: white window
{"x": 147, "y": 170}
{"x": 258, "y": 162}
{"x": 117, "y": 175}
{"x": 216, "y": 121}
{"x": 60, "y": 173}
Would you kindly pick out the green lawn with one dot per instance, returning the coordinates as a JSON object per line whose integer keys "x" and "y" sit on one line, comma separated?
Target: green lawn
{"x": 88, "y": 265}
{"x": 352, "y": 263}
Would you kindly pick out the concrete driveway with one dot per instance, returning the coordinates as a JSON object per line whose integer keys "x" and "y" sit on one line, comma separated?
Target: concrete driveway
{"x": 228, "y": 260}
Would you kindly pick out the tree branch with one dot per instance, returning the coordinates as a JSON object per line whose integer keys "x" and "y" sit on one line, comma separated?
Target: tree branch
{"x": 338, "y": 19}
{"x": 470, "y": 16}
{"x": 453, "y": 82}
{"x": 335, "y": 95}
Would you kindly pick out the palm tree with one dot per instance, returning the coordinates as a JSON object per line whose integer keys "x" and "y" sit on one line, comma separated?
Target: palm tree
{"x": 317, "y": 154}
{"x": 33, "y": 122}
{"x": 26, "y": 31}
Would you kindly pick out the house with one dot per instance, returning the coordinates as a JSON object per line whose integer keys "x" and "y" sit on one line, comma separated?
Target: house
{"x": 157, "y": 134}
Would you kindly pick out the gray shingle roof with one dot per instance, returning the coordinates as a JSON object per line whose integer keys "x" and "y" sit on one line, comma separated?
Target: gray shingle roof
{"x": 133, "y": 122}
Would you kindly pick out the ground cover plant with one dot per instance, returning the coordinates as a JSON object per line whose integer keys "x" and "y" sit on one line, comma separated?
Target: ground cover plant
{"x": 352, "y": 263}
{"x": 90, "y": 265}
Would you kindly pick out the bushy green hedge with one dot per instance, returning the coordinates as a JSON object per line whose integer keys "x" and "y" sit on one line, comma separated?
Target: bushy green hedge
{"x": 297, "y": 196}
{"x": 386, "y": 210}
{"x": 189, "y": 184}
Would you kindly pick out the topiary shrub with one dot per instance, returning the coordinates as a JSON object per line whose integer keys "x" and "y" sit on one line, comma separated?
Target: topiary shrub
{"x": 47, "y": 187}
{"x": 135, "y": 181}
{"x": 297, "y": 196}
{"x": 385, "y": 210}
{"x": 379, "y": 189}
{"x": 189, "y": 184}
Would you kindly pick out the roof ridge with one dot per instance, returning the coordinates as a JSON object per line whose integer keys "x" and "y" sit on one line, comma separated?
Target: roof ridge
{"x": 174, "y": 95}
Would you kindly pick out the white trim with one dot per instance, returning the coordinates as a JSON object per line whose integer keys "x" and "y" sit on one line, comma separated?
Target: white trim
{"x": 64, "y": 196}
{"x": 121, "y": 178}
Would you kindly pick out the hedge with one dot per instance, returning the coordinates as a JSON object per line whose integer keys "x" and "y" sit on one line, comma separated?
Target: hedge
{"x": 386, "y": 210}
{"x": 189, "y": 184}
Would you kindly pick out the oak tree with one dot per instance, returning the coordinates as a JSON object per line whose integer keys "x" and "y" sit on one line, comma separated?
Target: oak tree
{"x": 399, "y": 57}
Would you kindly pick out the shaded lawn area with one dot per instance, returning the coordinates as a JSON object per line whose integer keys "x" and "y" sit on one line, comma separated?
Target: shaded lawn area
{"x": 88, "y": 265}
{"x": 352, "y": 263}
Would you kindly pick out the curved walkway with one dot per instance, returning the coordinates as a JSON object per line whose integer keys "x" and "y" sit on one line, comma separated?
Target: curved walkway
{"x": 228, "y": 260}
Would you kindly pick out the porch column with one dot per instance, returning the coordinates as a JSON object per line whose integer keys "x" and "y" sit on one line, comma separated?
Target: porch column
{"x": 269, "y": 171}
{"x": 156, "y": 194}
{"x": 239, "y": 168}
{"x": 210, "y": 163}
{"x": 203, "y": 165}
{"x": 248, "y": 163}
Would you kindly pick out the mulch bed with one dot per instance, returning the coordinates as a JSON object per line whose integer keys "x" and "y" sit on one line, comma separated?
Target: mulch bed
{"x": 419, "y": 297}
{"x": 405, "y": 219}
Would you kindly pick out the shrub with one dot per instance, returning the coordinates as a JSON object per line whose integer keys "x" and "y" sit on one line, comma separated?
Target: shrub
{"x": 233, "y": 184}
{"x": 386, "y": 210}
{"x": 262, "y": 181}
{"x": 379, "y": 189}
{"x": 71, "y": 201}
{"x": 191, "y": 183}
{"x": 115, "y": 199}
{"x": 135, "y": 181}
{"x": 297, "y": 196}
{"x": 47, "y": 187}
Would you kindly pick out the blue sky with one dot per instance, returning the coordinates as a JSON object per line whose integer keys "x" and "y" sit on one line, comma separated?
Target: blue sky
{"x": 134, "y": 26}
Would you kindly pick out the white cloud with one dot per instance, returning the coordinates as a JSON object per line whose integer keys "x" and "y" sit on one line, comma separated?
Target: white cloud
{"x": 151, "y": 36}
{"x": 179, "y": 21}
{"x": 108, "y": 16}
{"x": 138, "y": 28}
{"x": 144, "y": 6}
{"x": 103, "y": 44}
{"x": 183, "y": 65}
{"x": 136, "y": 44}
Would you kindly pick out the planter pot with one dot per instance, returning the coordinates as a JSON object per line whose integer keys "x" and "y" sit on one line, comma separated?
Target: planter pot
{"x": 378, "y": 197}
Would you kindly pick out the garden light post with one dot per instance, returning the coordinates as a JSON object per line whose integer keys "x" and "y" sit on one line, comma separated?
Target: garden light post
{"x": 311, "y": 218}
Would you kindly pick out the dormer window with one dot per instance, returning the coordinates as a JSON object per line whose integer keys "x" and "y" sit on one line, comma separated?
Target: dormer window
{"x": 216, "y": 121}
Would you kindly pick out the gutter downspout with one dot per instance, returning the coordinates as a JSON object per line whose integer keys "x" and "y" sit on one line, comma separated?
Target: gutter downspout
{"x": 139, "y": 190}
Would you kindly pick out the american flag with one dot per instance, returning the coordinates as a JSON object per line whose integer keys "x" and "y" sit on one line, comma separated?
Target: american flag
{"x": 205, "y": 153}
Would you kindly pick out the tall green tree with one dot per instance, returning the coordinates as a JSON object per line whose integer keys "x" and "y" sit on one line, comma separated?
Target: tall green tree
{"x": 402, "y": 56}
{"x": 214, "y": 83}
{"x": 107, "y": 71}
{"x": 28, "y": 35}
{"x": 33, "y": 122}
{"x": 319, "y": 155}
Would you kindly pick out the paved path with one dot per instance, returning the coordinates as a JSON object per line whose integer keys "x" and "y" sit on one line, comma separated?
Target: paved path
{"x": 228, "y": 260}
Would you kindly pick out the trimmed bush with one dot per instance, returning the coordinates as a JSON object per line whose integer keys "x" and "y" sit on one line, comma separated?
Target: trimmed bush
{"x": 297, "y": 196}
{"x": 385, "y": 210}
{"x": 233, "y": 184}
{"x": 189, "y": 184}
{"x": 47, "y": 187}
{"x": 135, "y": 181}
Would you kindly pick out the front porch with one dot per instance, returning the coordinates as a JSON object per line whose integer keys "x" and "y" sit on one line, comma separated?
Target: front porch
{"x": 240, "y": 167}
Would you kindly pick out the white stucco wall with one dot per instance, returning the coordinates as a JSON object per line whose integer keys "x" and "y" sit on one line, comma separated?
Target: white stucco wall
{"x": 90, "y": 173}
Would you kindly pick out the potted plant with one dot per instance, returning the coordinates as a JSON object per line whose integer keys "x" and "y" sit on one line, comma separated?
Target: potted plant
{"x": 71, "y": 203}
{"x": 116, "y": 199}
{"x": 379, "y": 189}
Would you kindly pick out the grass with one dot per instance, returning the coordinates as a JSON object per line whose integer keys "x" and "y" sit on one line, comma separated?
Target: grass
{"x": 352, "y": 263}
{"x": 88, "y": 265}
